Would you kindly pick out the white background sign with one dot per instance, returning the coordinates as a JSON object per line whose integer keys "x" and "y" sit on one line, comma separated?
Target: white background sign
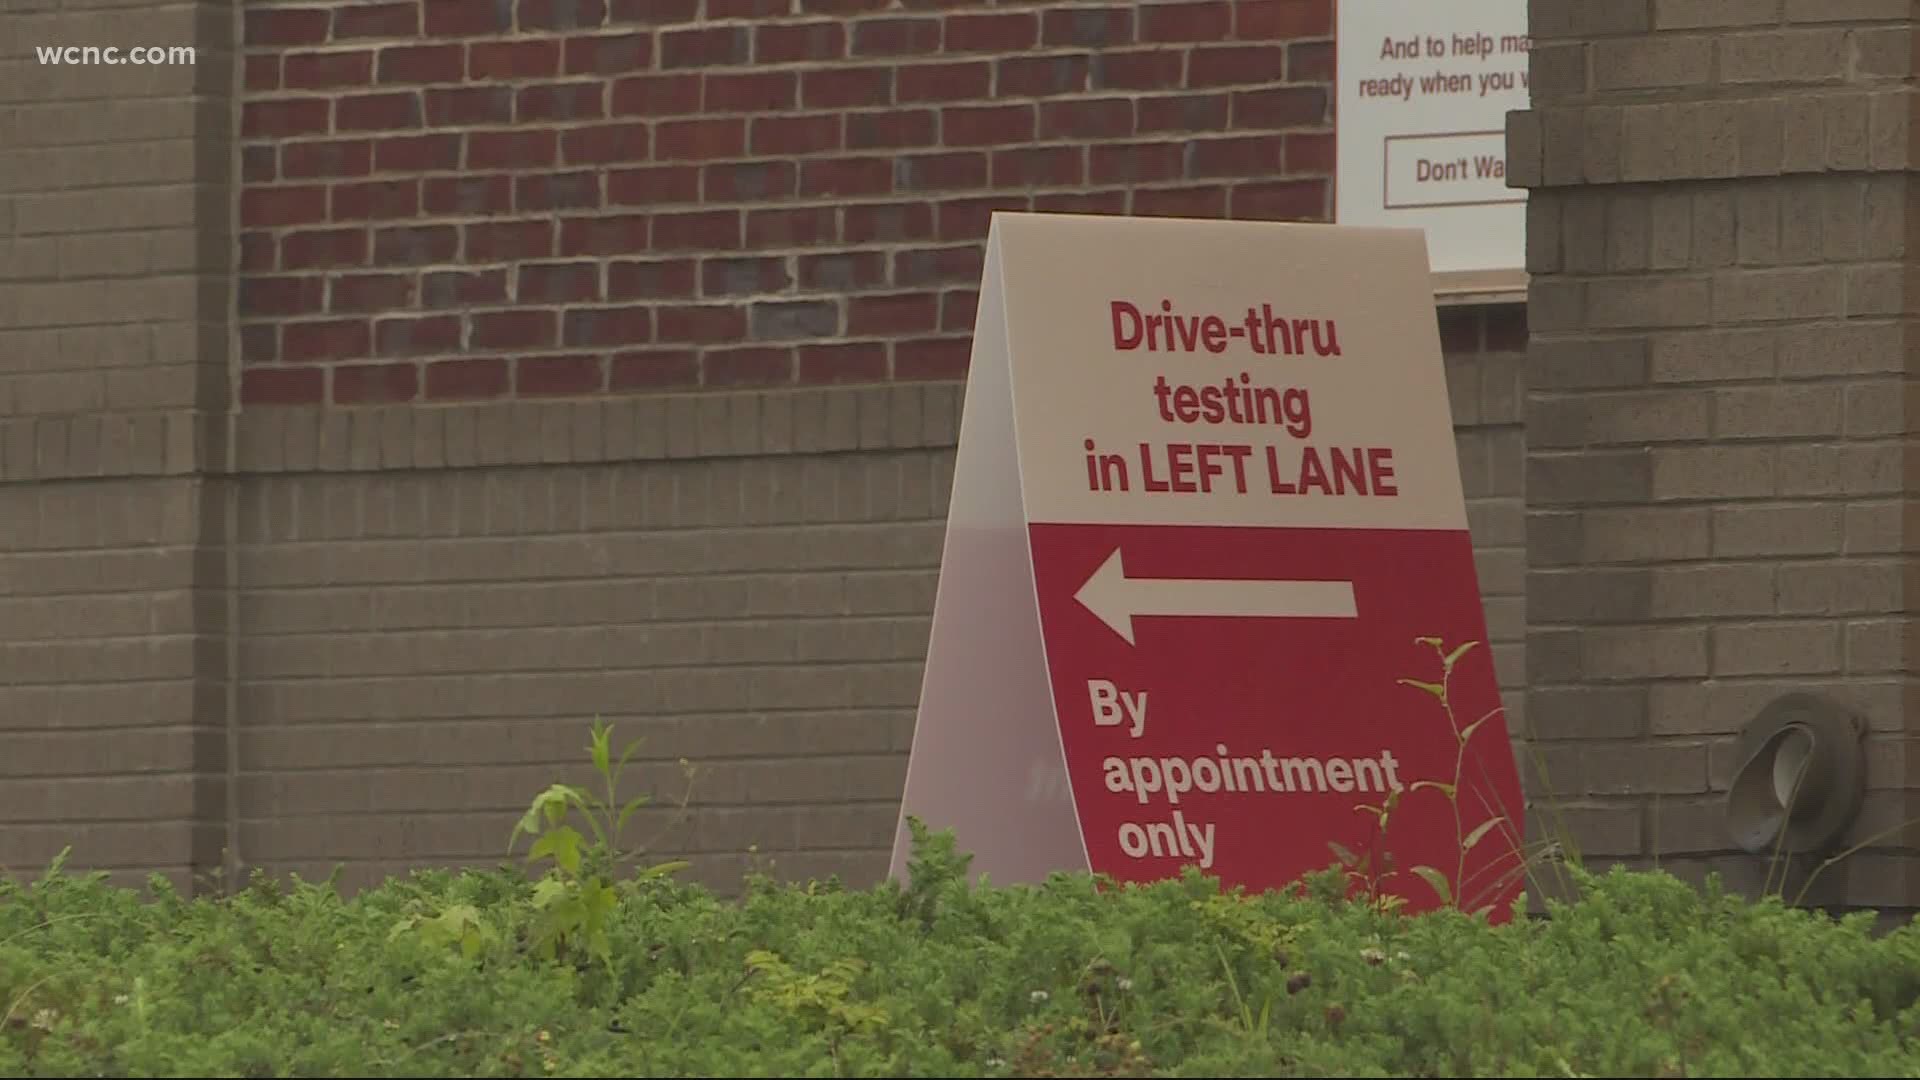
{"x": 1425, "y": 89}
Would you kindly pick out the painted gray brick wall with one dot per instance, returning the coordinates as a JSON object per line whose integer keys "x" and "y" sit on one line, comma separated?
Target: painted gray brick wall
{"x": 115, "y": 187}
{"x": 1718, "y": 420}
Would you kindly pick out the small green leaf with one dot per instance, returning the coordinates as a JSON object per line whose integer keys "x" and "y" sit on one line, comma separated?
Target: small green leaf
{"x": 1433, "y": 641}
{"x": 562, "y": 845}
{"x": 1436, "y": 879}
{"x": 1454, "y": 656}
{"x": 628, "y": 753}
{"x": 1444, "y": 789}
{"x": 1475, "y": 836}
{"x": 626, "y": 811}
{"x": 460, "y": 915}
{"x": 549, "y": 891}
{"x": 1439, "y": 692}
{"x": 602, "y": 756}
{"x": 600, "y": 899}
{"x": 552, "y": 803}
{"x": 529, "y": 823}
{"x": 1340, "y": 852}
{"x": 1483, "y": 911}
{"x": 1467, "y": 732}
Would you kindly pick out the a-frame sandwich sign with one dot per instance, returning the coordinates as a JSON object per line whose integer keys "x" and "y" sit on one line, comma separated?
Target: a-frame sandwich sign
{"x": 1207, "y": 579}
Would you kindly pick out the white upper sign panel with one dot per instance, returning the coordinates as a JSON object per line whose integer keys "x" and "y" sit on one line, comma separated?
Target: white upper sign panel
{"x": 1180, "y": 372}
{"x": 1424, "y": 92}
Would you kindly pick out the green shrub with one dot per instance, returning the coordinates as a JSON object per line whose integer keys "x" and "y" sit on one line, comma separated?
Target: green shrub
{"x": 590, "y": 969}
{"x": 1643, "y": 976}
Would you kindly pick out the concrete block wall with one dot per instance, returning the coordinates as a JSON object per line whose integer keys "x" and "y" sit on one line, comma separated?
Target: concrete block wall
{"x": 1718, "y": 417}
{"x": 1485, "y": 351}
{"x": 427, "y": 638}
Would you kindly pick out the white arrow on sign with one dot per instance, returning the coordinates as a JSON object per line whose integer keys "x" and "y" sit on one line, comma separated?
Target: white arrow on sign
{"x": 1117, "y": 599}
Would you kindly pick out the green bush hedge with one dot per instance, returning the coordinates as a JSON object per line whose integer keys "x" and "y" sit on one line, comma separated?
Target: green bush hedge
{"x": 592, "y": 970}
{"x": 439, "y": 974}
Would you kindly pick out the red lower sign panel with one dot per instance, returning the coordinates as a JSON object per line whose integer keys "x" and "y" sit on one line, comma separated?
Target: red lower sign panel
{"x": 1251, "y": 701}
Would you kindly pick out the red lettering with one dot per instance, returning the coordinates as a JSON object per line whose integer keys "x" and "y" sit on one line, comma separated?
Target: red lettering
{"x": 1208, "y": 467}
{"x": 1239, "y": 455}
{"x": 1189, "y": 331}
{"x": 1348, "y": 470}
{"x": 1263, "y": 331}
{"x": 1125, "y": 341}
{"x": 1186, "y": 404}
{"x": 1380, "y": 465}
{"x": 1180, "y": 464}
{"x": 1215, "y": 330}
{"x": 1356, "y": 471}
{"x": 1329, "y": 347}
{"x": 1279, "y": 486}
{"x": 1151, "y": 483}
{"x": 1253, "y": 332}
{"x": 1211, "y": 406}
{"x": 1285, "y": 342}
{"x": 1162, "y": 391}
{"x": 1312, "y": 473}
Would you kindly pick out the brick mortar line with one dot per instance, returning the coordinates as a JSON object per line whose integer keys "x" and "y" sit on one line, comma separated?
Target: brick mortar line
{"x": 692, "y": 426}
{"x": 330, "y": 439}
{"x": 771, "y": 808}
{"x": 607, "y": 208}
{"x": 846, "y": 57}
{"x": 1549, "y": 145}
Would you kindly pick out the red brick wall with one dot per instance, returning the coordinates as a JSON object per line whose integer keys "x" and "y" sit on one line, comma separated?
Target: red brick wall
{"x": 459, "y": 199}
